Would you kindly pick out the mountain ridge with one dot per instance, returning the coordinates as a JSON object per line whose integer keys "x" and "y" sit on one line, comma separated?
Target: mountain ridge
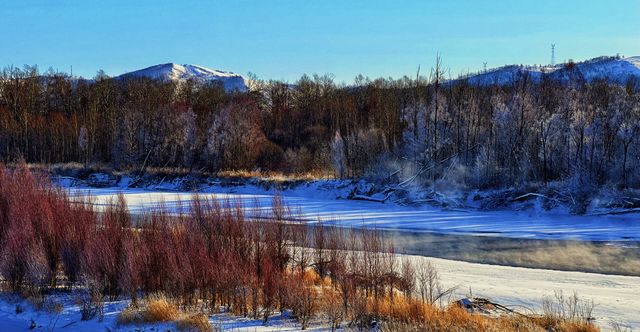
{"x": 184, "y": 72}
{"x": 613, "y": 69}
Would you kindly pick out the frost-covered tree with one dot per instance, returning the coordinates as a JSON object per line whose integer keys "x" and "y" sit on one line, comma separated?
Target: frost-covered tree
{"x": 628, "y": 119}
{"x": 338, "y": 155}
{"x": 235, "y": 137}
{"x": 189, "y": 137}
{"x": 415, "y": 135}
{"x": 217, "y": 139}
{"x": 83, "y": 143}
{"x": 363, "y": 149}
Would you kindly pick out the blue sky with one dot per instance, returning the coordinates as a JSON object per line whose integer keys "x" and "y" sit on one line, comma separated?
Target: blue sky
{"x": 284, "y": 39}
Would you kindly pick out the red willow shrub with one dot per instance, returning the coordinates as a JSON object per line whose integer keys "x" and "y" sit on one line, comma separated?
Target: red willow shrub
{"x": 110, "y": 259}
{"x": 77, "y": 232}
{"x": 22, "y": 257}
{"x": 27, "y": 240}
{"x": 213, "y": 253}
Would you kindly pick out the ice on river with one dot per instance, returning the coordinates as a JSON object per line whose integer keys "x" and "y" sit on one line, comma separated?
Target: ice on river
{"x": 316, "y": 205}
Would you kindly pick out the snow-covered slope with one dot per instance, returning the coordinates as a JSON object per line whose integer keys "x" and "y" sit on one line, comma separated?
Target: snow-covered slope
{"x": 177, "y": 72}
{"x": 506, "y": 75}
{"x": 612, "y": 69}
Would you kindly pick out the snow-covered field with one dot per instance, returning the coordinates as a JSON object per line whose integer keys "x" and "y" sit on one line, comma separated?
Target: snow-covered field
{"x": 315, "y": 204}
{"x": 69, "y": 319}
{"x": 616, "y": 298}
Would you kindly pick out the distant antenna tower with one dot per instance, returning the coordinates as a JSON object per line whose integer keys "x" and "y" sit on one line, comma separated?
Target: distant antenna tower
{"x": 553, "y": 54}
{"x": 484, "y": 64}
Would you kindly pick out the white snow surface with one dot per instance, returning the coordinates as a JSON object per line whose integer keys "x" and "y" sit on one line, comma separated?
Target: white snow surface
{"x": 69, "y": 319}
{"x": 178, "y": 72}
{"x": 615, "y": 297}
{"x": 315, "y": 202}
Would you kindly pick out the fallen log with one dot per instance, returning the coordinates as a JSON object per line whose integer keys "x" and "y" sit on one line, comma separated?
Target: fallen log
{"x": 614, "y": 212}
{"x": 358, "y": 197}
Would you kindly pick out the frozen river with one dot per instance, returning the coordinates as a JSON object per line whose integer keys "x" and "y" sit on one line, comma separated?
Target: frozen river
{"x": 318, "y": 207}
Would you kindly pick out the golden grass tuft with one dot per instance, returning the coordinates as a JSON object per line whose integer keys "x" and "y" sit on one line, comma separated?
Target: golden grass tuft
{"x": 157, "y": 308}
{"x": 577, "y": 327}
{"x": 130, "y": 315}
{"x": 415, "y": 316}
{"x": 194, "y": 323}
{"x": 277, "y": 176}
{"x": 568, "y": 326}
{"x": 160, "y": 309}
{"x": 408, "y": 314}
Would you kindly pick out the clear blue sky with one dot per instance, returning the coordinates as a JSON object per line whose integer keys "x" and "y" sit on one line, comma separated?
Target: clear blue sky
{"x": 284, "y": 39}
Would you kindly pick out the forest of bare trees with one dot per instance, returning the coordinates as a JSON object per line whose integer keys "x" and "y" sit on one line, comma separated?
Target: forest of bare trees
{"x": 478, "y": 136}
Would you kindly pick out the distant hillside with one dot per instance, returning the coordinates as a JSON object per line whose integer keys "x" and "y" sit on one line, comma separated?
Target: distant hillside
{"x": 612, "y": 69}
{"x": 177, "y": 72}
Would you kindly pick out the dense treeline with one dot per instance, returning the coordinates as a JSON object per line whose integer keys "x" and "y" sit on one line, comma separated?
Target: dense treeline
{"x": 477, "y": 136}
{"x": 213, "y": 256}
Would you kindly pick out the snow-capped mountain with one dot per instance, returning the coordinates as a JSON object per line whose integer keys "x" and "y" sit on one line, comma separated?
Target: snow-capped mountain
{"x": 613, "y": 69}
{"x": 177, "y": 72}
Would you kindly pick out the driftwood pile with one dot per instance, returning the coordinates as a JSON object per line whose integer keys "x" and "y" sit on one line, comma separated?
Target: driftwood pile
{"x": 489, "y": 308}
{"x": 485, "y": 306}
